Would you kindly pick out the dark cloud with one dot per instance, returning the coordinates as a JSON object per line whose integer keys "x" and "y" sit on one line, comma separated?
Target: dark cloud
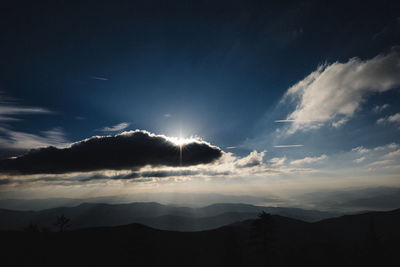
{"x": 129, "y": 150}
{"x": 152, "y": 174}
{"x": 81, "y": 178}
{"x": 134, "y": 175}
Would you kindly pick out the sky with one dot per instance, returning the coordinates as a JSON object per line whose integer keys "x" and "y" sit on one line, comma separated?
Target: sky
{"x": 251, "y": 98}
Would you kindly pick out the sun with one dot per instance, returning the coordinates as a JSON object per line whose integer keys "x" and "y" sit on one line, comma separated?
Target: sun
{"x": 180, "y": 141}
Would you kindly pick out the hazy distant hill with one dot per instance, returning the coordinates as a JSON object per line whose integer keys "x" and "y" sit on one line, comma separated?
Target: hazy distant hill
{"x": 194, "y": 200}
{"x": 371, "y": 239}
{"x": 152, "y": 214}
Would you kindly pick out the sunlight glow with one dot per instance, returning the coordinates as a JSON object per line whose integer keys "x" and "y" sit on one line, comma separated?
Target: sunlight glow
{"x": 179, "y": 141}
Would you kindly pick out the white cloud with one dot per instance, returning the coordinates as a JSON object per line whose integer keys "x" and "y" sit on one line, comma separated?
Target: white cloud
{"x": 334, "y": 92}
{"x": 167, "y": 115}
{"x": 9, "y": 108}
{"x": 253, "y": 159}
{"x": 11, "y": 139}
{"x": 277, "y": 161}
{"x": 22, "y": 140}
{"x": 392, "y": 154}
{"x": 337, "y": 124}
{"x": 381, "y": 108}
{"x": 380, "y": 163}
{"x": 376, "y": 152}
{"x": 360, "y": 149}
{"x": 116, "y": 128}
{"x": 14, "y": 110}
{"x": 381, "y": 121}
{"x": 395, "y": 119}
{"x": 388, "y": 146}
{"x": 308, "y": 160}
{"x": 359, "y": 160}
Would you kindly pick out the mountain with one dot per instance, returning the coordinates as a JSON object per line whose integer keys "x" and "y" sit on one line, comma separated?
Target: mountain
{"x": 353, "y": 200}
{"x": 194, "y": 200}
{"x": 152, "y": 214}
{"x": 370, "y": 239}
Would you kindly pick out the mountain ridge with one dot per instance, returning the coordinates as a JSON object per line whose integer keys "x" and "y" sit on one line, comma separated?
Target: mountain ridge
{"x": 290, "y": 242}
{"x": 150, "y": 213}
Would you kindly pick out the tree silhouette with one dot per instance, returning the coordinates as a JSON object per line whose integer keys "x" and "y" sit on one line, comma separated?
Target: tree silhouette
{"x": 264, "y": 227}
{"x": 62, "y": 223}
{"x": 263, "y": 236}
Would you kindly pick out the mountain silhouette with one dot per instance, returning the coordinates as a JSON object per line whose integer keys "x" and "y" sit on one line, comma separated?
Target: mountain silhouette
{"x": 370, "y": 239}
{"x": 151, "y": 214}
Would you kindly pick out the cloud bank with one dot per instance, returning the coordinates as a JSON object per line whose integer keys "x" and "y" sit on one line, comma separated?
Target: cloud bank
{"x": 334, "y": 92}
{"x": 128, "y": 150}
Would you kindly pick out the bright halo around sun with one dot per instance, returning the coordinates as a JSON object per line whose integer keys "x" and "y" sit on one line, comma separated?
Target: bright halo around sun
{"x": 180, "y": 141}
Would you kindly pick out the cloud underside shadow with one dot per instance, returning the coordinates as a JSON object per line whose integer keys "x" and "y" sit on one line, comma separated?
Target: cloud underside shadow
{"x": 128, "y": 150}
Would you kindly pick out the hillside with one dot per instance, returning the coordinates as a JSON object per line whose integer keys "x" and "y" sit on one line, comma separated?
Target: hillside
{"x": 370, "y": 239}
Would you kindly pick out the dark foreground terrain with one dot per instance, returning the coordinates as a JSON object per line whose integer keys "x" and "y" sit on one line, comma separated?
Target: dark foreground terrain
{"x": 370, "y": 239}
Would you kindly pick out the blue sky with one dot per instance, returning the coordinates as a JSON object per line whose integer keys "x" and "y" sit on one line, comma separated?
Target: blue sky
{"x": 297, "y": 79}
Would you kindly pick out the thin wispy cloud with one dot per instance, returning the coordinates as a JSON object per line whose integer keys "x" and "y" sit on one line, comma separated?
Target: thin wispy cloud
{"x": 118, "y": 127}
{"x": 378, "y": 156}
{"x": 284, "y": 121}
{"x": 10, "y": 108}
{"x": 23, "y": 141}
{"x": 14, "y": 140}
{"x": 359, "y": 160}
{"x": 99, "y": 78}
{"x": 392, "y": 154}
{"x": 360, "y": 149}
{"x": 392, "y": 119}
{"x": 277, "y": 161}
{"x": 308, "y": 160}
{"x": 14, "y": 110}
{"x": 380, "y": 108}
{"x": 337, "y": 124}
{"x": 288, "y": 146}
{"x": 380, "y": 163}
{"x": 388, "y": 146}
